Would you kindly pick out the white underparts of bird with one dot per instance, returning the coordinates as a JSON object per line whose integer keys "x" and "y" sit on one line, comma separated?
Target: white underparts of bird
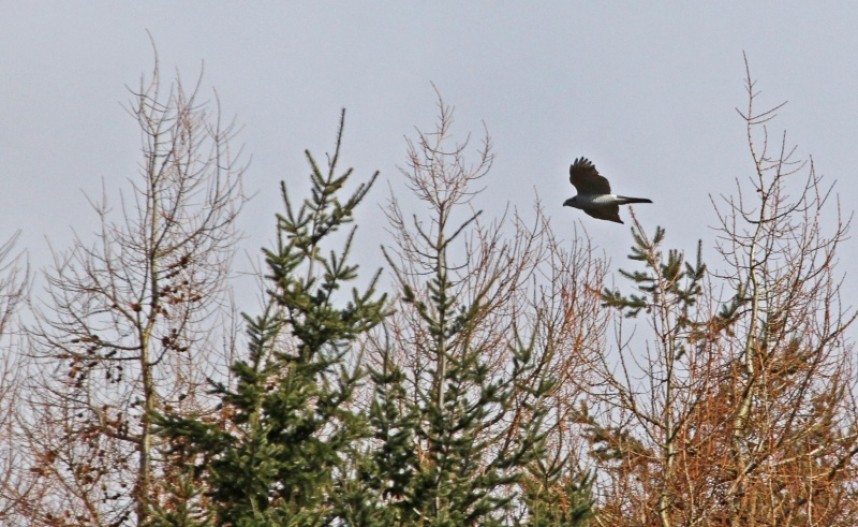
{"x": 594, "y": 193}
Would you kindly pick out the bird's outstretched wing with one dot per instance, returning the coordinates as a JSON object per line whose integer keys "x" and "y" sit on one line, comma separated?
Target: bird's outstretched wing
{"x": 586, "y": 178}
{"x": 605, "y": 212}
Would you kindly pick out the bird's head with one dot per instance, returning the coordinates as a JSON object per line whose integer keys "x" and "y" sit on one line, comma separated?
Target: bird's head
{"x": 571, "y": 202}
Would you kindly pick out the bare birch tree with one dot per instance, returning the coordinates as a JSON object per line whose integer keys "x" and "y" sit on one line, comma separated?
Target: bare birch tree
{"x": 740, "y": 410}
{"x": 793, "y": 423}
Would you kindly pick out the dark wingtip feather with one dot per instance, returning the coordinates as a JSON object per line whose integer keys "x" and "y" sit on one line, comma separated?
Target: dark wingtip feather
{"x": 580, "y": 163}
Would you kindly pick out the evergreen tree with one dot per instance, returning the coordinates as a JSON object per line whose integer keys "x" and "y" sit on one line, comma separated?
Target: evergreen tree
{"x": 451, "y": 429}
{"x": 668, "y": 292}
{"x": 461, "y": 385}
{"x": 277, "y": 457}
{"x": 556, "y": 498}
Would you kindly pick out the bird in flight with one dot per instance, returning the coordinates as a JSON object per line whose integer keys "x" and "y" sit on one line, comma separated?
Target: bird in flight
{"x": 594, "y": 193}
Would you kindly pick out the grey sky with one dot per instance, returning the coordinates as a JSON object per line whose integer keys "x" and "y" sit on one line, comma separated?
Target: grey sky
{"x": 646, "y": 90}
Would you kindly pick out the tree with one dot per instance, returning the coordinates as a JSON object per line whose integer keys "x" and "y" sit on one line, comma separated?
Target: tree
{"x": 291, "y": 423}
{"x": 793, "y": 431}
{"x": 484, "y": 392}
{"x": 652, "y": 398}
{"x": 14, "y": 283}
{"x": 14, "y": 280}
{"x": 746, "y": 415}
{"x": 129, "y": 326}
{"x": 471, "y": 372}
{"x": 467, "y": 387}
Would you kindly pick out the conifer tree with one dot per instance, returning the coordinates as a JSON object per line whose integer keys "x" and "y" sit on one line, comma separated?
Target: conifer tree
{"x": 668, "y": 289}
{"x": 463, "y": 377}
{"x": 466, "y": 381}
{"x": 289, "y": 422}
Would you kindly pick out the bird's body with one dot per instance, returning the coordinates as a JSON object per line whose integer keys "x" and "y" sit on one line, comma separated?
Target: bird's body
{"x": 594, "y": 193}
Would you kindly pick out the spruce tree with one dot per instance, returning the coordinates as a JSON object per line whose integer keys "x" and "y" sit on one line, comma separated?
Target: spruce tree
{"x": 278, "y": 456}
{"x": 461, "y": 381}
{"x": 668, "y": 294}
{"x": 557, "y": 497}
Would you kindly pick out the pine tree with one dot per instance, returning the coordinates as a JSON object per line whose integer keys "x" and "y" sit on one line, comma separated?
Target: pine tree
{"x": 278, "y": 456}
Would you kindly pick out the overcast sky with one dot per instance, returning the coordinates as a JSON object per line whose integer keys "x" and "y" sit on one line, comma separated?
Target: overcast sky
{"x": 647, "y": 90}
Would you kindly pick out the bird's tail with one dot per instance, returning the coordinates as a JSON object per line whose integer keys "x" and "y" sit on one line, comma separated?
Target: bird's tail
{"x": 625, "y": 200}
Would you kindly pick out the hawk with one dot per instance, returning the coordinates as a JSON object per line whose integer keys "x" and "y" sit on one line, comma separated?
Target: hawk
{"x": 594, "y": 193}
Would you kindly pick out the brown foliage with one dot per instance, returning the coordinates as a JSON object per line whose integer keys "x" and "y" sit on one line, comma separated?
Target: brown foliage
{"x": 738, "y": 410}
{"x": 746, "y": 413}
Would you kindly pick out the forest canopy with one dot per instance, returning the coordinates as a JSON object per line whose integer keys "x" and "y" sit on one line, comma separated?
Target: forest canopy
{"x": 492, "y": 372}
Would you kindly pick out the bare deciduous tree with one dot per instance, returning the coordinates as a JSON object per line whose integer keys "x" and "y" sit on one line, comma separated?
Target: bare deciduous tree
{"x": 134, "y": 321}
{"x": 739, "y": 411}
{"x": 14, "y": 281}
{"x": 793, "y": 425}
